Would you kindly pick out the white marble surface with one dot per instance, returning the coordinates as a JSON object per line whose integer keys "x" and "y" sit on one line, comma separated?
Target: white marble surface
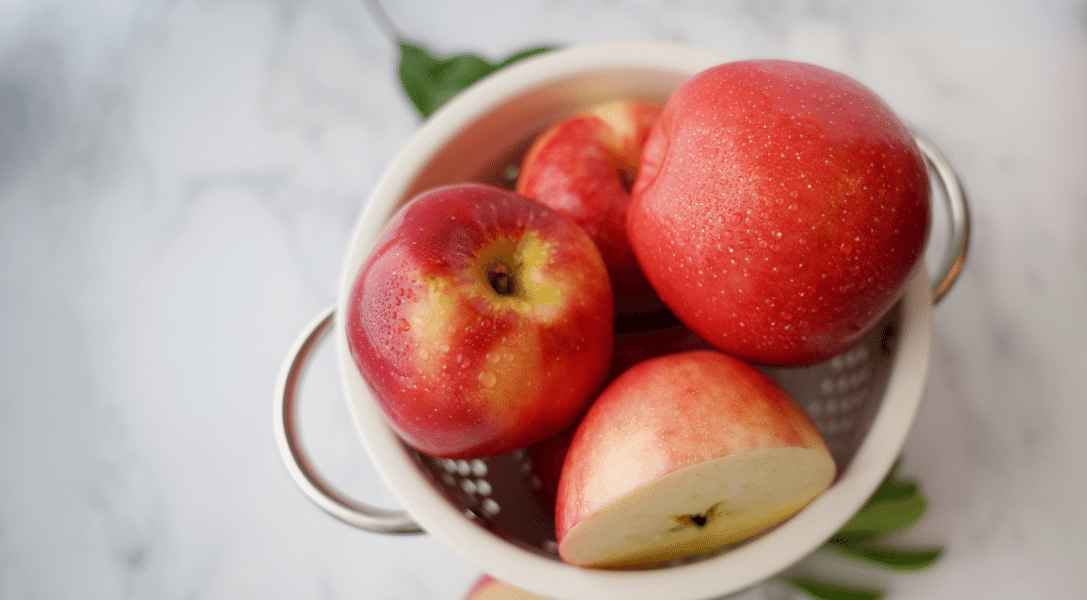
{"x": 178, "y": 180}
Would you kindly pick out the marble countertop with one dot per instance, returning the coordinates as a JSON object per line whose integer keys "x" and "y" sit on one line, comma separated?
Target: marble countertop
{"x": 178, "y": 182}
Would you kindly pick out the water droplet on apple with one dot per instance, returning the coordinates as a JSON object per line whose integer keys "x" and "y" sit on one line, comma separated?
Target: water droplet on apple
{"x": 846, "y": 248}
{"x": 404, "y": 326}
{"x": 736, "y": 219}
{"x": 488, "y": 379}
{"x": 854, "y": 270}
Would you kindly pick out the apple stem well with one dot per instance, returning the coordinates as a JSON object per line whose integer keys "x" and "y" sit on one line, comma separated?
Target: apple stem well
{"x": 626, "y": 176}
{"x": 501, "y": 279}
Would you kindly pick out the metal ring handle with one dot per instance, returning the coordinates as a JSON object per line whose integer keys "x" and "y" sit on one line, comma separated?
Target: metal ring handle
{"x": 335, "y": 503}
{"x": 959, "y": 213}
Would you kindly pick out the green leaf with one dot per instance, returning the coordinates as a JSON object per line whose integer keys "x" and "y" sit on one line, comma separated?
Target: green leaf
{"x": 912, "y": 559}
{"x": 828, "y": 591}
{"x": 883, "y": 517}
{"x": 430, "y": 81}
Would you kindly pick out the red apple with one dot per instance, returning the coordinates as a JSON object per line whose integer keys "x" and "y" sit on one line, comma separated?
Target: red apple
{"x": 584, "y": 166}
{"x": 681, "y": 455}
{"x": 489, "y": 588}
{"x": 482, "y": 321}
{"x": 779, "y": 209}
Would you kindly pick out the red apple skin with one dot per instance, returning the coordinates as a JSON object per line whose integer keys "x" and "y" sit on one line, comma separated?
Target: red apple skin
{"x": 667, "y": 413}
{"x": 489, "y": 588}
{"x": 779, "y": 209}
{"x": 459, "y": 369}
{"x": 584, "y": 167}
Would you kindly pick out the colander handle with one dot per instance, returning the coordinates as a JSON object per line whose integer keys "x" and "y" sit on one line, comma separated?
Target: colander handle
{"x": 299, "y": 465}
{"x": 959, "y": 214}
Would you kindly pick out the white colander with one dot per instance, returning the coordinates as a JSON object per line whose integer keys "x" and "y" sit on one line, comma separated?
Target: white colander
{"x": 491, "y": 511}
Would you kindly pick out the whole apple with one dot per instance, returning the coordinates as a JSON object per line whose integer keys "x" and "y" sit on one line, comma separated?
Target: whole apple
{"x": 584, "y": 167}
{"x": 482, "y": 321}
{"x": 681, "y": 455}
{"x": 779, "y": 209}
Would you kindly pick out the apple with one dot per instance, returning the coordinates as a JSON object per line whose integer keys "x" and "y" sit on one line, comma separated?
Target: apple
{"x": 779, "y": 209}
{"x": 584, "y": 166}
{"x": 482, "y": 321}
{"x": 489, "y": 588}
{"x": 681, "y": 455}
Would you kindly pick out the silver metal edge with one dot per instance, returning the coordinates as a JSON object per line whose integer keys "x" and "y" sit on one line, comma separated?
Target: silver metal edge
{"x": 299, "y": 465}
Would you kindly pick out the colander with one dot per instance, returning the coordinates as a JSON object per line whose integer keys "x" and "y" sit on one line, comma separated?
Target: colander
{"x": 491, "y": 511}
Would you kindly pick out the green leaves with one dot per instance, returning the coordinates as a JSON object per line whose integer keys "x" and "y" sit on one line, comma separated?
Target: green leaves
{"x": 894, "y": 558}
{"x": 896, "y": 504}
{"x": 430, "y": 81}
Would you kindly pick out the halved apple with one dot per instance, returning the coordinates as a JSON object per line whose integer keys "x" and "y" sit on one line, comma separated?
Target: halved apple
{"x": 681, "y": 455}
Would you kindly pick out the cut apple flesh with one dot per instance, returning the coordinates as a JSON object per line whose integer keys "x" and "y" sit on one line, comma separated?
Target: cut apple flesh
{"x": 700, "y": 508}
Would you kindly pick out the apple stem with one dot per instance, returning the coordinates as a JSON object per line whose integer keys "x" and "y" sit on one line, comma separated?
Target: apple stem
{"x": 500, "y": 276}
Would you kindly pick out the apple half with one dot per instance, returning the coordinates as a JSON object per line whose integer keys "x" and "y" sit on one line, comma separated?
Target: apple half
{"x": 682, "y": 455}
